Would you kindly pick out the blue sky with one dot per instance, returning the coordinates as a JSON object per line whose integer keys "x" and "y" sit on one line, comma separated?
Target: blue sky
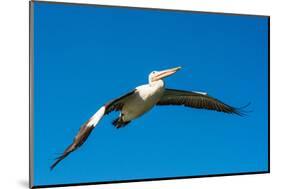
{"x": 86, "y": 55}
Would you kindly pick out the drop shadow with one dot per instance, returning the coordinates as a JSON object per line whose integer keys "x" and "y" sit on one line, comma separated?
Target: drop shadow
{"x": 23, "y": 183}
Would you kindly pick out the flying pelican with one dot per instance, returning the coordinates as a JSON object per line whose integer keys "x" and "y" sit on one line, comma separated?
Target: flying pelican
{"x": 137, "y": 102}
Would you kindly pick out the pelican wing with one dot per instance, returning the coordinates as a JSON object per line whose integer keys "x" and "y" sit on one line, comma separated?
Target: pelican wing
{"x": 86, "y": 128}
{"x": 117, "y": 104}
{"x": 195, "y": 100}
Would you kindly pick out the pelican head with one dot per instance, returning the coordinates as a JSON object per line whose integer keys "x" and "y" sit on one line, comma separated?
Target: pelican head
{"x": 158, "y": 75}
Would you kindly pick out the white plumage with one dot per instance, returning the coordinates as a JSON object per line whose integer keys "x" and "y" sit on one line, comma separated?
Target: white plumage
{"x": 141, "y": 100}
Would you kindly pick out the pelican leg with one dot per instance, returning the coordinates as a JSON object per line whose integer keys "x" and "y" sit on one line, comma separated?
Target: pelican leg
{"x": 119, "y": 123}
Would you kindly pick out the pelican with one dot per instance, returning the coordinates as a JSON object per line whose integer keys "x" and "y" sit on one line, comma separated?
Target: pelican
{"x": 137, "y": 102}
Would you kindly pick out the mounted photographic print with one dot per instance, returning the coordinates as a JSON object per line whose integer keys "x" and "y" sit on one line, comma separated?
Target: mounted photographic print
{"x": 122, "y": 94}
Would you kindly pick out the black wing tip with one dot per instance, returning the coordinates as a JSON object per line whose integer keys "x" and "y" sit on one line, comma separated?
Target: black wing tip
{"x": 241, "y": 110}
{"x": 59, "y": 159}
{"x": 55, "y": 164}
{"x": 80, "y": 138}
{"x": 68, "y": 150}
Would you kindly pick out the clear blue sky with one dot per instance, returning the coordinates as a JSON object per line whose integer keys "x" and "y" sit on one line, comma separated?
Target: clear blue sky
{"x": 87, "y": 55}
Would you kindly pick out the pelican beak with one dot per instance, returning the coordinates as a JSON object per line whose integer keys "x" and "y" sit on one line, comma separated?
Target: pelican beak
{"x": 166, "y": 73}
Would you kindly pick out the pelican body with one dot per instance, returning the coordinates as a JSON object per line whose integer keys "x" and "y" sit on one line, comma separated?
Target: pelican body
{"x": 137, "y": 102}
{"x": 143, "y": 98}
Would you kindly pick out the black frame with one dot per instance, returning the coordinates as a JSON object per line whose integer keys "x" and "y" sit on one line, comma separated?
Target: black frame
{"x": 31, "y": 62}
